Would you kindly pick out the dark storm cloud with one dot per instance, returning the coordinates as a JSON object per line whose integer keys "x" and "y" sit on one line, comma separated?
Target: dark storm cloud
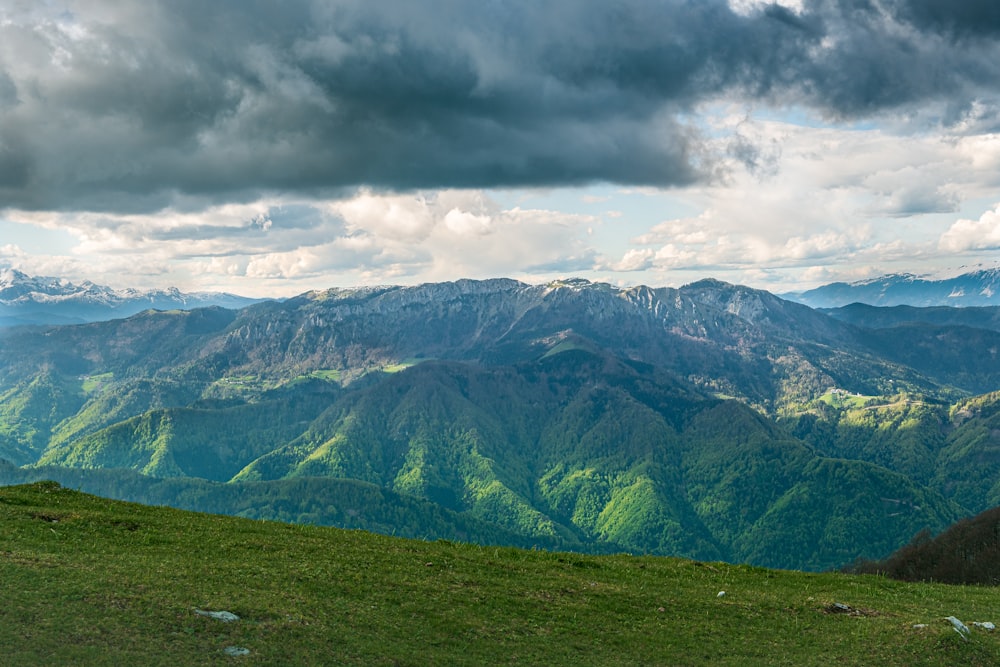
{"x": 133, "y": 106}
{"x": 960, "y": 18}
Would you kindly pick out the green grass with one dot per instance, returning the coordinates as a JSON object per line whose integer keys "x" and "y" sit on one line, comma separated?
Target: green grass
{"x": 328, "y": 374}
{"x": 843, "y": 400}
{"x": 240, "y": 382}
{"x": 254, "y": 385}
{"x": 89, "y": 581}
{"x": 402, "y": 365}
{"x": 94, "y": 383}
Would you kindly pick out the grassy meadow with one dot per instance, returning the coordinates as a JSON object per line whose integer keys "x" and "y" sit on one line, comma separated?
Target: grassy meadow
{"x": 90, "y": 581}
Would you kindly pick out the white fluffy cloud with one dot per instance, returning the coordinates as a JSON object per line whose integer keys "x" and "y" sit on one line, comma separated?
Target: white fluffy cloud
{"x": 633, "y": 260}
{"x": 298, "y": 245}
{"x": 832, "y": 203}
{"x": 747, "y": 7}
{"x": 464, "y": 223}
{"x": 9, "y": 251}
{"x": 393, "y": 217}
{"x": 981, "y": 234}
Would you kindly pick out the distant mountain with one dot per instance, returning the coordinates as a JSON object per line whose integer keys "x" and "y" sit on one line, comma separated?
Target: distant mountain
{"x": 724, "y": 339}
{"x": 28, "y": 299}
{"x": 978, "y": 288}
{"x": 714, "y": 421}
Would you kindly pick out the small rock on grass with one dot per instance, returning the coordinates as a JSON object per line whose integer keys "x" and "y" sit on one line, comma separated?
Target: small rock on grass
{"x": 224, "y": 616}
{"x": 236, "y": 651}
{"x": 960, "y": 628}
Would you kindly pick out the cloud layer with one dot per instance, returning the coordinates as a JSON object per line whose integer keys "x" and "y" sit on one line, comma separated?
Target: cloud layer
{"x": 130, "y": 107}
{"x": 310, "y": 142}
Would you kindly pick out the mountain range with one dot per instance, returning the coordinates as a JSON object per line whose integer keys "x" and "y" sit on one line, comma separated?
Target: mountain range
{"x": 43, "y": 300}
{"x": 975, "y": 288}
{"x": 28, "y": 299}
{"x": 712, "y": 421}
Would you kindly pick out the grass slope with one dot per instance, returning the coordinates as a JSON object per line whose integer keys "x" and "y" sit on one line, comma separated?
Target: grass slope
{"x": 99, "y": 582}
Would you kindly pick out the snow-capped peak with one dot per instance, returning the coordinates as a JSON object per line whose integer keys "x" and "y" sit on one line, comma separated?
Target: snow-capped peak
{"x": 43, "y": 299}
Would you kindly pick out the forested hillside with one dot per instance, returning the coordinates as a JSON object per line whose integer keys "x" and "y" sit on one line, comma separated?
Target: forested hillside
{"x": 712, "y": 421}
{"x": 968, "y": 553}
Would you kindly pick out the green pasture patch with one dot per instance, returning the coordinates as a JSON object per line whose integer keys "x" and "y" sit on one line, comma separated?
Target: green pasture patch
{"x": 92, "y": 384}
{"x": 89, "y": 581}
{"x": 845, "y": 400}
{"x": 327, "y": 374}
{"x": 402, "y": 365}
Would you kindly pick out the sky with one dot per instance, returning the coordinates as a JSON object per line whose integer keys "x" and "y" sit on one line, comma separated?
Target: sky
{"x": 270, "y": 148}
